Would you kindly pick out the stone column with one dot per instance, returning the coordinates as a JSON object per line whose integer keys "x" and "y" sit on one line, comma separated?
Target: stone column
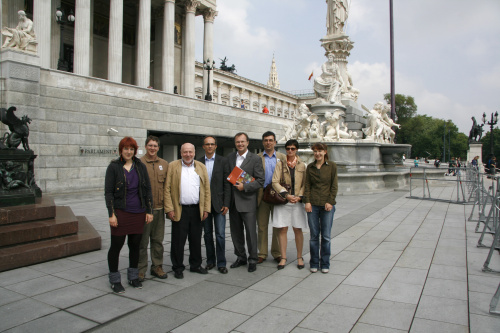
{"x": 219, "y": 92}
{"x": 251, "y": 94}
{"x": 81, "y": 62}
{"x": 189, "y": 56}
{"x": 259, "y": 108}
{"x": 42, "y": 22}
{"x": 115, "y": 47}
{"x": 208, "y": 47}
{"x": 56, "y": 35}
{"x": 231, "y": 87}
{"x": 142, "y": 65}
{"x": 168, "y": 43}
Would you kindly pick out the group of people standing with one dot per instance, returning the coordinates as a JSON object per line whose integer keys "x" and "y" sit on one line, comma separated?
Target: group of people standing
{"x": 196, "y": 196}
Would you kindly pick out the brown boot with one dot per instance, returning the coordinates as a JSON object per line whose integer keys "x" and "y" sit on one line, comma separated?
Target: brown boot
{"x": 158, "y": 272}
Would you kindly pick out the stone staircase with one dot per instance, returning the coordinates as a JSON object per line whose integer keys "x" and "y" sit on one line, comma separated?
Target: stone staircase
{"x": 31, "y": 234}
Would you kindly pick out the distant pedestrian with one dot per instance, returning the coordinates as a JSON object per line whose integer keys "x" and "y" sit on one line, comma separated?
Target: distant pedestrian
{"x": 415, "y": 162}
{"x": 437, "y": 163}
{"x": 474, "y": 162}
{"x": 265, "y": 110}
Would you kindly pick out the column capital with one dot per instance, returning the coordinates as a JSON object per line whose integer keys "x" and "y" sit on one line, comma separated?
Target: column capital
{"x": 191, "y": 5}
{"x": 209, "y": 14}
{"x": 172, "y": 1}
{"x": 231, "y": 87}
{"x": 219, "y": 84}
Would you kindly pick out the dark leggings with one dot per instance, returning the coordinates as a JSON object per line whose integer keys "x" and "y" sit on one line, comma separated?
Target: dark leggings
{"x": 134, "y": 242}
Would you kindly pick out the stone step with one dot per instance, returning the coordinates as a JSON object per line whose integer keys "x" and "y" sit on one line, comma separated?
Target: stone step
{"x": 65, "y": 223}
{"x": 87, "y": 239}
{"x": 43, "y": 209}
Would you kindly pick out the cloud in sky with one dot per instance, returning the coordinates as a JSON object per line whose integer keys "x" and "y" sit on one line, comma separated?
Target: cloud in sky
{"x": 447, "y": 52}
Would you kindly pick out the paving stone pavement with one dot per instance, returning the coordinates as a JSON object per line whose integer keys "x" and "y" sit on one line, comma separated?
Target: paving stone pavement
{"x": 398, "y": 265}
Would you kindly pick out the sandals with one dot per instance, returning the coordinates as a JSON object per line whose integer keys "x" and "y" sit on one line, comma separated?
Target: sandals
{"x": 282, "y": 266}
{"x": 300, "y": 266}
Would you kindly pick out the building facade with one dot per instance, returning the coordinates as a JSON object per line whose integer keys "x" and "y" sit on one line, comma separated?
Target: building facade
{"x": 131, "y": 71}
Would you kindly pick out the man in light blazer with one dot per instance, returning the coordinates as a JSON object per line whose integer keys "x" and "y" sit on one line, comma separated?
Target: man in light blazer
{"x": 243, "y": 208}
{"x": 187, "y": 204}
{"x": 220, "y": 191}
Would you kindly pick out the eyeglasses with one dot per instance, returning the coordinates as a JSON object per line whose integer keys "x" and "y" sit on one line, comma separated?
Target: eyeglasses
{"x": 291, "y": 148}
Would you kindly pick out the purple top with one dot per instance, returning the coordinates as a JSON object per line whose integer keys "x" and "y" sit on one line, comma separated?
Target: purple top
{"x": 133, "y": 204}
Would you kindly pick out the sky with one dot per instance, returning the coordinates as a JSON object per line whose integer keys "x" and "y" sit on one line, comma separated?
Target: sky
{"x": 447, "y": 52}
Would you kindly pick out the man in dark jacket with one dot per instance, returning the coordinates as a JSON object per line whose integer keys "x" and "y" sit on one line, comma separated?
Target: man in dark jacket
{"x": 220, "y": 192}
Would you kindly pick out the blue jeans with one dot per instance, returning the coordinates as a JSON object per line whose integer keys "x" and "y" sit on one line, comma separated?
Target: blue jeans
{"x": 320, "y": 221}
{"x": 219, "y": 221}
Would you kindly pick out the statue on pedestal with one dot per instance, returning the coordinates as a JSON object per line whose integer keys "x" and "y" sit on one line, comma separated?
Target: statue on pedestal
{"x": 328, "y": 86}
{"x": 476, "y": 131}
{"x": 21, "y": 37}
{"x": 337, "y": 13}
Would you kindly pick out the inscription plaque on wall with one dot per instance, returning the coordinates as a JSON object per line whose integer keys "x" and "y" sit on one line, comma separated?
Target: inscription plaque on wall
{"x": 99, "y": 151}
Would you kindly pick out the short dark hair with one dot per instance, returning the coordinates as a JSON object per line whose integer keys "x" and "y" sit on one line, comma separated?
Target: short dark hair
{"x": 152, "y": 138}
{"x": 210, "y": 136}
{"x": 240, "y": 133}
{"x": 321, "y": 146}
{"x": 292, "y": 142}
{"x": 268, "y": 133}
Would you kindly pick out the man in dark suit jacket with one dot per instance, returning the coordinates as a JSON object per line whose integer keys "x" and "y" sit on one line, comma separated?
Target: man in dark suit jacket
{"x": 243, "y": 209}
{"x": 220, "y": 192}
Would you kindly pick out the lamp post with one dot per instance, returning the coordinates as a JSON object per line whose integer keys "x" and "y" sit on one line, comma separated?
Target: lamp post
{"x": 208, "y": 67}
{"x": 492, "y": 122}
{"x": 62, "y": 64}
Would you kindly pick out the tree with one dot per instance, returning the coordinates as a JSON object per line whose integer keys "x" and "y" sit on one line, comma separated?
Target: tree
{"x": 485, "y": 140}
{"x": 405, "y": 107}
{"x": 425, "y": 134}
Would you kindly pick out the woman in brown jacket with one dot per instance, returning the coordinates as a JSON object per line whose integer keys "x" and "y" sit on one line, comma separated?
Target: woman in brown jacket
{"x": 293, "y": 213}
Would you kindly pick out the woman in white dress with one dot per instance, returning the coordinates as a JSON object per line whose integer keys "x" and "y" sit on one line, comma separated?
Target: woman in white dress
{"x": 292, "y": 172}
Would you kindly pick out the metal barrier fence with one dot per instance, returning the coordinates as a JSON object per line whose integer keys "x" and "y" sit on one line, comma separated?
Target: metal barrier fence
{"x": 483, "y": 192}
{"x": 460, "y": 179}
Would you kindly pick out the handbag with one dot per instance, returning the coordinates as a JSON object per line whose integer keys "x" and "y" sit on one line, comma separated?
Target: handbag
{"x": 273, "y": 197}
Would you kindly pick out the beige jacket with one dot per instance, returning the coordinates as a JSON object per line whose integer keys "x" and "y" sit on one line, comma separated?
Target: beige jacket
{"x": 172, "y": 192}
{"x": 157, "y": 172}
{"x": 279, "y": 157}
{"x": 300, "y": 177}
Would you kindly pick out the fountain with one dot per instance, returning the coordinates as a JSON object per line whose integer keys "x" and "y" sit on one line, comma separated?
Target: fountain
{"x": 362, "y": 145}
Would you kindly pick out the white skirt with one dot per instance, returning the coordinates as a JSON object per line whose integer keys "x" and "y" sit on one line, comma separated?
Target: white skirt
{"x": 290, "y": 215}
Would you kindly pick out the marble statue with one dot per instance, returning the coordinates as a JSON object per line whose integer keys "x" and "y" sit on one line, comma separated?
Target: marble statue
{"x": 336, "y": 129}
{"x": 337, "y": 13}
{"x": 350, "y": 92}
{"x": 380, "y": 125}
{"x": 21, "y": 37}
{"x": 328, "y": 86}
{"x": 315, "y": 131}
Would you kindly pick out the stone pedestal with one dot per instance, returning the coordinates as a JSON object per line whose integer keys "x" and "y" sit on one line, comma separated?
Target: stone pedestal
{"x": 30, "y": 234}
{"x": 476, "y": 149}
{"x": 17, "y": 181}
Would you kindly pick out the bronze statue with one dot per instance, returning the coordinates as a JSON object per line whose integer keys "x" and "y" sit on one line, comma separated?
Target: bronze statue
{"x": 18, "y": 127}
{"x": 476, "y": 131}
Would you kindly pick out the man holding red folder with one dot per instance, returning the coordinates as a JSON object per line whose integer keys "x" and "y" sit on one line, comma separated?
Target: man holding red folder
{"x": 243, "y": 209}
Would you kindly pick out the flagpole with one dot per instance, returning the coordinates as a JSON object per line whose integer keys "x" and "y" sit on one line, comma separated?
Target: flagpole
{"x": 393, "y": 94}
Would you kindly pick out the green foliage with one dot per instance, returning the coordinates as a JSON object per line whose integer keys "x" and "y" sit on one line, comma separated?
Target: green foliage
{"x": 405, "y": 107}
{"x": 425, "y": 133}
{"x": 486, "y": 139}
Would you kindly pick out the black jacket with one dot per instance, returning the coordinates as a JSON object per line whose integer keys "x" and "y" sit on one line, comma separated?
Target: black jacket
{"x": 220, "y": 188}
{"x": 115, "y": 189}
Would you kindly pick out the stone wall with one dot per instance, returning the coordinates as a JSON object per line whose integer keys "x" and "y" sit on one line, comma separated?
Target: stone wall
{"x": 69, "y": 111}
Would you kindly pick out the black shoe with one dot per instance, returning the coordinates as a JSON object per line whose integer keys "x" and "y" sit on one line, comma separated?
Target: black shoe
{"x": 252, "y": 268}
{"x": 277, "y": 259}
{"x": 117, "y": 288}
{"x": 238, "y": 263}
{"x": 282, "y": 266}
{"x": 209, "y": 267}
{"x": 178, "y": 275}
{"x": 300, "y": 266}
{"x": 135, "y": 283}
{"x": 223, "y": 270}
{"x": 199, "y": 270}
